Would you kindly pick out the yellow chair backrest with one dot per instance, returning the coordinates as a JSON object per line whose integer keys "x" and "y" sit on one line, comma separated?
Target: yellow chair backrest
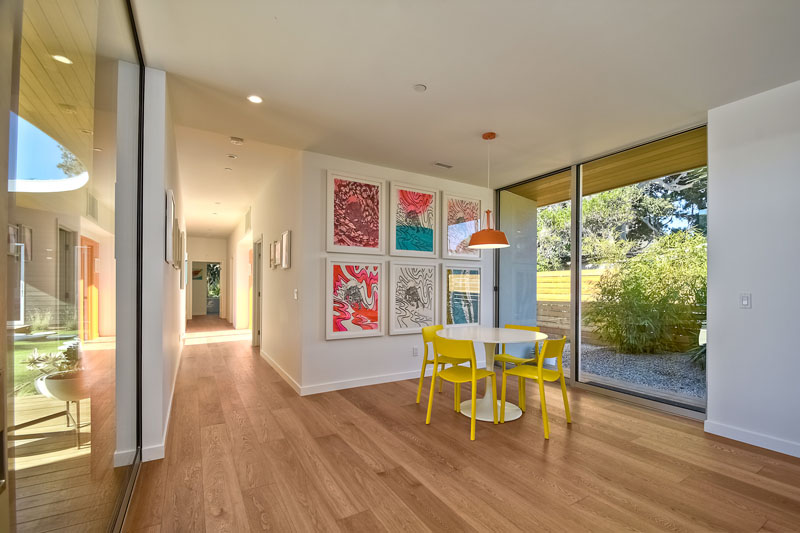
{"x": 429, "y": 333}
{"x": 552, "y": 349}
{"x": 526, "y": 328}
{"x": 455, "y": 349}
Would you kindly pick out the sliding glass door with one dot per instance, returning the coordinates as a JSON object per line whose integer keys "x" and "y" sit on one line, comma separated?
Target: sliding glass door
{"x": 639, "y": 308}
{"x": 71, "y": 404}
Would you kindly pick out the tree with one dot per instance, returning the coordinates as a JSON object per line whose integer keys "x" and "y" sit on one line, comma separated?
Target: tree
{"x": 70, "y": 165}
{"x": 213, "y": 274}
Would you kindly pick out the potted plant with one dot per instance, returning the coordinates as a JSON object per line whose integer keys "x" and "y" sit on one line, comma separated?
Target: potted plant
{"x": 62, "y": 376}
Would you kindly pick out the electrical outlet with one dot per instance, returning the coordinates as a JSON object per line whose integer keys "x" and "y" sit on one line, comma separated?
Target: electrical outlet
{"x": 415, "y": 352}
{"x": 296, "y": 295}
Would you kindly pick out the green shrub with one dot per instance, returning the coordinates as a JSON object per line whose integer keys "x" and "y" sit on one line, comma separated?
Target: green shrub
{"x": 40, "y": 319}
{"x": 656, "y": 300}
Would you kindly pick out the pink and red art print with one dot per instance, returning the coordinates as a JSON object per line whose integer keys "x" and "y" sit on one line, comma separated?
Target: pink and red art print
{"x": 462, "y": 218}
{"x": 354, "y": 299}
{"x": 355, "y": 214}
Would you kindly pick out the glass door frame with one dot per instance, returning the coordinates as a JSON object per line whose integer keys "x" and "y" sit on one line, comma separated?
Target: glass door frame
{"x": 576, "y": 232}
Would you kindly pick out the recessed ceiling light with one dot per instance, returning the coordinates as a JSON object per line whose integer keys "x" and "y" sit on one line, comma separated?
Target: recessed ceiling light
{"x": 228, "y": 169}
{"x": 213, "y": 213}
{"x": 68, "y": 108}
{"x": 87, "y": 132}
{"x": 255, "y": 99}
{"x": 62, "y": 59}
{"x": 97, "y": 149}
{"x": 232, "y": 156}
{"x": 218, "y": 203}
{"x": 237, "y": 141}
{"x": 420, "y": 87}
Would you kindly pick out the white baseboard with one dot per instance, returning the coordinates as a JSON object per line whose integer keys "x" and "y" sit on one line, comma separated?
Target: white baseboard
{"x": 362, "y": 382}
{"x": 153, "y": 453}
{"x": 279, "y": 369}
{"x": 756, "y": 439}
{"x": 124, "y": 458}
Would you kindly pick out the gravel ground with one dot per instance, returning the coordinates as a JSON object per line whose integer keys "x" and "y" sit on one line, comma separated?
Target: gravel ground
{"x": 669, "y": 372}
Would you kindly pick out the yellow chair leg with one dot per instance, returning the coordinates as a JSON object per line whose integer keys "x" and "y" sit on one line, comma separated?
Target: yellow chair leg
{"x": 474, "y": 406}
{"x": 457, "y": 404}
{"x": 441, "y": 381}
{"x": 521, "y": 389}
{"x": 494, "y": 398}
{"x": 544, "y": 411}
{"x": 430, "y": 396}
{"x": 503, "y": 401}
{"x": 421, "y": 377}
{"x": 566, "y": 400}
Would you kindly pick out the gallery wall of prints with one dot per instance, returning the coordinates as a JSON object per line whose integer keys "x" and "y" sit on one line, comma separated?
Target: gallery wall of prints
{"x": 398, "y": 258}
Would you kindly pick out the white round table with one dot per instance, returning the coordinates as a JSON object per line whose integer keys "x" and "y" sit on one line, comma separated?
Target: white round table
{"x": 490, "y": 337}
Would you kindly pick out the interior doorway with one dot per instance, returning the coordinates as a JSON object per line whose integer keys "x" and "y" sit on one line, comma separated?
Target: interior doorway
{"x": 256, "y": 307}
{"x": 88, "y": 283}
{"x": 206, "y": 288}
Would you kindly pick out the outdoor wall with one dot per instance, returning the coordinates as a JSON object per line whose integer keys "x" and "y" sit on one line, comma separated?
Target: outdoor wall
{"x": 209, "y": 250}
{"x": 163, "y": 305}
{"x": 277, "y": 208}
{"x": 754, "y": 183}
{"x": 344, "y": 363}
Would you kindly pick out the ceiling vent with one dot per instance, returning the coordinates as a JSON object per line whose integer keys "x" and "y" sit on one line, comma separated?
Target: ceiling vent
{"x": 247, "y": 220}
{"x": 238, "y": 141}
{"x": 442, "y": 165}
{"x": 91, "y": 206}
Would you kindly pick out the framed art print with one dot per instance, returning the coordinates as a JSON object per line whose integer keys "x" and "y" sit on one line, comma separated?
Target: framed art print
{"x": 413, "y": 216}
{"x": 278, "y": 254}
{"x": 354, "y": 299}
{"x": 169, "y": 232}
{"x": 355, "y": 214}
{"x": 286, "y": 248}
{"x": 412, "y": 297}
{"x": 461, "y": 289}
{"x": 461, "y": 217}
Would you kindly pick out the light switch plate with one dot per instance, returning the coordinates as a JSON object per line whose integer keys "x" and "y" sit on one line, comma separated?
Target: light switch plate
{"x": 745, "y": 300}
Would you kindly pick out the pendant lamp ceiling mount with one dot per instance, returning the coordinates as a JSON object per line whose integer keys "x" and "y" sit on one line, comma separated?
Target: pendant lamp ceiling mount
{"x": 488, "y": 238}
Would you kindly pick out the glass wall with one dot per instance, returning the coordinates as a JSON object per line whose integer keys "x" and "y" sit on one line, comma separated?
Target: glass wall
{"x": 642, "y": 269}
{"x": 74, "y": 137}
{"x": 535, "y": 281}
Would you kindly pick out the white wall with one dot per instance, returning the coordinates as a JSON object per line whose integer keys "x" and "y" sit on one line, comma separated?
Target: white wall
{"x": 209, "y": 250}
{"x": 753, "y": 221}
{"x": 163, "y": 300}
{"x": 240, "y": 244}
{"x": 330, "y": 365}
{"x": 277, "y": 208}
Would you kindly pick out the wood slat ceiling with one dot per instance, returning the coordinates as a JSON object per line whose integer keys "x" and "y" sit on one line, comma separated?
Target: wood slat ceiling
{"x": 674, "y": 154}
{"x": 47, "y": 87}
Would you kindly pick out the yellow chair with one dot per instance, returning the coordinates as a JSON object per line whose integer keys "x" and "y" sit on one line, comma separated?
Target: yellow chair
{"x": 464, "y": 352}
{"x": 550, "y": 349}
{"x": 504, "y": 358}
{"x": 428, "y": 336}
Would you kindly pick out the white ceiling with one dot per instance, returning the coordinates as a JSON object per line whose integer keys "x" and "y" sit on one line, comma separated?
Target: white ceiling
{"x": 558, "y": 80}
{"x": 214, "y": 199}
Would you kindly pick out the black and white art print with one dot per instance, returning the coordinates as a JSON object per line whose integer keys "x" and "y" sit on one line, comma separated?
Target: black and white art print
{"x": 412, "y": 299}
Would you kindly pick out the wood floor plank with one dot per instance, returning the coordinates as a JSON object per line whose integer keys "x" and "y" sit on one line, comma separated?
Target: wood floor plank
{"x": 364, "y": 460}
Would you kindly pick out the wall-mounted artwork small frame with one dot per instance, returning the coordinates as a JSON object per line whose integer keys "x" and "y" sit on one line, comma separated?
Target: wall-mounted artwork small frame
{"x": 197, "y": 274}
{"x": 26, "y": 238}
{"x": 413, "y": 221}
{"x": 169, "y": 228}
{"x": 176, "y": 240}
{"x": 278, "y": 254}
{"x": 355, "y": 214}
{"x": 412, "y": 297}
{"x": 13, "y": 239}
{"x": 461, "y": 217}
{"x": 272, "y": 255}
{"x": 461, "y": 295}
{"x": 354, "y": 301}
{"x": 182, "y": 255}
{"x": 286, "y": 249}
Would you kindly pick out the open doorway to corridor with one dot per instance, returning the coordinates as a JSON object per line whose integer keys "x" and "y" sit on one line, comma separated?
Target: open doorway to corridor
{"x": 206, "y": 288}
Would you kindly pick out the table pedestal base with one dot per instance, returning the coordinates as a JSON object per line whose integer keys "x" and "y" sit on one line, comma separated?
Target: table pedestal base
{"x": 484, "y": 410}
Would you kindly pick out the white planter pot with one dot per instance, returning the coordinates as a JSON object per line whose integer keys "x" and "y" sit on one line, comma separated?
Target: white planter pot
{"x": 67, "y": 386}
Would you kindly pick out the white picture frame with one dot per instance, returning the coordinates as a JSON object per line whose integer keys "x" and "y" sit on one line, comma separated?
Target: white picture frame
{"x": 286, "y": 249}
{"x": 455, "y": 235}
{"x": 347, "y": 292}
{"x": 169, "y": 228}
{"x": 403, "y": 318}
{"x": 448, "y": 317}
{"x": 278, "y": 254}
{"x": 414, "y": 237}
{"x": 341, "y": 218}
{"x": 182, "y": 255}
{"x": 272, "y": 254}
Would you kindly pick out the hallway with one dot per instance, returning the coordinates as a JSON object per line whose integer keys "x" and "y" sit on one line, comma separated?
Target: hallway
{"x": 245, "y": 452}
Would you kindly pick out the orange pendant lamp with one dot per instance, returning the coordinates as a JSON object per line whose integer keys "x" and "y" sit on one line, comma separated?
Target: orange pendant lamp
{"x": 488, "y": 238}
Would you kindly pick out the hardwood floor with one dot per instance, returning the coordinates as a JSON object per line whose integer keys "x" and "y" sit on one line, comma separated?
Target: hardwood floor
{"x": 245, "y": 452}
